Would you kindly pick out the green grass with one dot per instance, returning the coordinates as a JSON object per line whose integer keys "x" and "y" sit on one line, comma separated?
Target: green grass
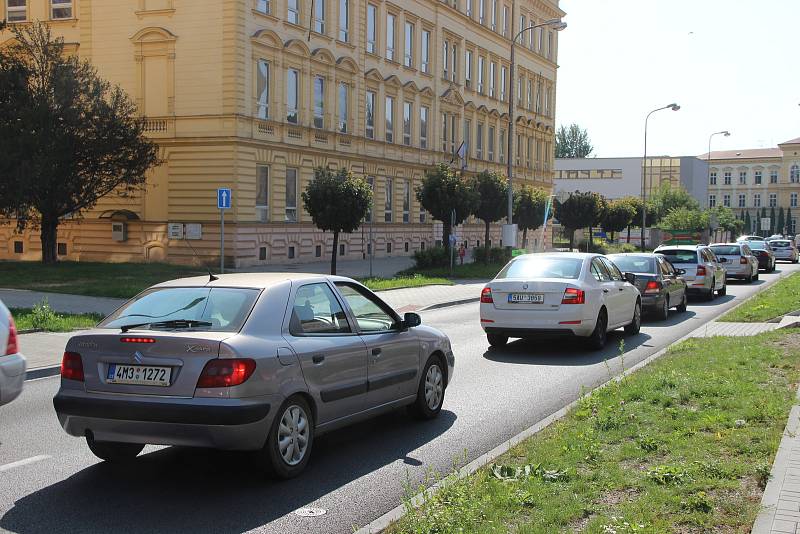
{"x": 398, "y": 282}
{"x": 683, "y": 445}
{"x": 478, "y": 271}
{"x": 122, "y": 280}
{"x": 27, "y": 319}
{"x": 781, "y": 298}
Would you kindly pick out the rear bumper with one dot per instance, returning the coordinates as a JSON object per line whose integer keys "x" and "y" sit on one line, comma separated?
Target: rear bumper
{"x": 219, "y": 423}
{"x": 525, "y": 323}
{"x": 738, "y": 271}
{"x": 764, "y": 262}
{"x": 652, "y": 302}
{"x": 12, "y": 377}
{"x": 530, "y": 332}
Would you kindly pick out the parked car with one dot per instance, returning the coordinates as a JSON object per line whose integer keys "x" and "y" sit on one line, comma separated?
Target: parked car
{"x": 262, "y": 362}
{"x": 775, "y": 236}
{"x": 750, "y": 238}
{"x": 763, "y": 253}
{"x": 12, "y": 362}
{"x": 658, "y": 281}
{"x": 740, "y": 261}
{"x": 705, "y": 274}
{"x": 784, "y": 249}
{"x": 559, "y": 294}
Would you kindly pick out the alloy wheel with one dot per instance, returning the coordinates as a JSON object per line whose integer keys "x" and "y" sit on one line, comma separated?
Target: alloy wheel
{"x": 434, "y": 386}
{"x": 293, "y": 434}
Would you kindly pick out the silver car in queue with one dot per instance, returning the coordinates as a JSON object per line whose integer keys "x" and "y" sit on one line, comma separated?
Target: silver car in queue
{"x": 262, "y": 362}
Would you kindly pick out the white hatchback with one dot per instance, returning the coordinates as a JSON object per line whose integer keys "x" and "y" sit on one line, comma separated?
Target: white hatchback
{"x": 559, "y": 294}
{"x": 12, "y": 362}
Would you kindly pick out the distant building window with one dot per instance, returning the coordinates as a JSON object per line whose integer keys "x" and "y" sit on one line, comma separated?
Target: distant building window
{"x": 505, "y": 21}
{"x": 292, "y": 83}
{"x": 426, "y": 51}
{"x": 727, "y": 177}
{"x": 344, "y": 8}
{"x": 793, "y": 200}
{"x": 262, "y": 89}
{"x": 445, "y": 59}
{"x": 262, "y": 192}
{"x": 503, "y": 83}
{"x": 61, "y": 248}
{"x": 389, "y": 200}
{"x": 757, "y": 177}
{"x": 712, "y": 180}
{"x": 291, "y": 253}
{"x": 319, "y": 16}
{"x": 291, "y": 195}
{"x": 262, "y": 6}
{"x": 372, "y": 21}
{"x": 388, "y": 248}
{"x": 343, "y": 105}
{"x": 773, "y": 200}
{"x": 492, "y": 69}
{"x": 60, "y": 9}
{"x": 319, "y": 102}
{"x": 406, "y": 202}
{"x": 726, "y": 201}
{"x": 742, "y": 177}
{"x": 389, "y": 119}
{"x": 480, "y": 74}
{"x": 794, "y": 174}
{"x": 757, "y": 200}
{"x": 18, "y": 248}
{"x": 370, "y": 113}
{"x": 390, "y": 36}
{"x": 407, "y": 247}
{"x": 482, "y": 11}
{"x": 423, "y": 127}
{"x": 341, "y": 249}
{"x": 262, "y": 253}
{"x": 479, "y": 141}
{"x": 408, "y": 45}
{"x": 493, "y": 16}
{"x": 468, "y": 68}
{"x": 742, "y": 201}
{"x": 502, "y": 146}
{"x": 407, "y": 106}
{"x": 292, "y": 11}
{"x": 712, "y": 201}
{"x": 773, "y": 177}
{"x": 490, "y": 143}
{"x": 16, "y": 10}
{"x": 371, "y": 182}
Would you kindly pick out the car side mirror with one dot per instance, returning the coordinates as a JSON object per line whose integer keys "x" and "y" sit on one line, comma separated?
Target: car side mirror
{"x": 680, "y": 271}
{"x": 630, "y": 277}
{"x": 723, "y": 260}
{"x": 410, "y": 320}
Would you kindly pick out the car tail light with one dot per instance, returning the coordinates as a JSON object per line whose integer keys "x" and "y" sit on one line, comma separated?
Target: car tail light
{"x": 72, "y": 366}
{"x": 137, "y": 340}
{"x": 226, "y": 373}
{"x": 12, "y": 346}
{"x": 701, "y": 271}
{"x": 573, "y": 295}
{"x": 486, "y": 296}
{"x": 652, "y": 287}
{"x": 743, "y": 260}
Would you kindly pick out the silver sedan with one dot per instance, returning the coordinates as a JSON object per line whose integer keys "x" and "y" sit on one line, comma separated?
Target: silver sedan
{"x": 261, "y": 362}
{"x": 12, "y": 362}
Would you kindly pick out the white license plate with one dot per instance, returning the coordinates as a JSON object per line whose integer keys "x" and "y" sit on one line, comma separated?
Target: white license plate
{"x": 138, "y": 375}
{"x": 531, "y": 298}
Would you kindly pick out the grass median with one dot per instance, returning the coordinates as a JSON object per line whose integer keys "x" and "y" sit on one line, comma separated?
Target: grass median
{"x": 31, "y": 319}
{"x": 400, "y": 282}
{"x": 783, "y": 297}
{"x": 683, "y": 445}
{"x": 475, "y": 270}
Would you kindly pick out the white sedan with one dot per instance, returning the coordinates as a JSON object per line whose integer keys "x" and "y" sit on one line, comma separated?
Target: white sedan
{"x": 559, "y": 294}
{"x": 12, "y": 362}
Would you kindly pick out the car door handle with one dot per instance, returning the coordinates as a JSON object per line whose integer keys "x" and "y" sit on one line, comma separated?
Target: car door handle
{"x": 605, "y": 290}
{"x": 318, "y": 358}
{"x": 622, "y": 289}
{"x": 377, "y": 351}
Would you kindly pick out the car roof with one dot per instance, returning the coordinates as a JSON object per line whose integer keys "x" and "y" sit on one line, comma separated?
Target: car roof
{"x": 727, "y": 244}
{"x": 576, "y": 255}
{"x": 249, "y": 280}
{"x": 692, "y": 248}
{"x": 649, "y": 254}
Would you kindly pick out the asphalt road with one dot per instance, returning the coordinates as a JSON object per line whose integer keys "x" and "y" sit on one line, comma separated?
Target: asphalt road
{"x": 50, "y": 482}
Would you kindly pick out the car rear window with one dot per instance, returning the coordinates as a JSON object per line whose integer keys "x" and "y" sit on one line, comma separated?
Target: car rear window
{"x": 225, "y": 308}
{"x": 760, "y": 245}
{"x": 542, "y": 267}
{"x": 780, "y": 244}
{"x": 679, "y": 256}
{"x": 634, "y": 264}
{"x": 726, "y": 250}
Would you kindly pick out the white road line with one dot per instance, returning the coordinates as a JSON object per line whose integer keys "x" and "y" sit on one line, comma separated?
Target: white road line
{"x": 26, "y": 461}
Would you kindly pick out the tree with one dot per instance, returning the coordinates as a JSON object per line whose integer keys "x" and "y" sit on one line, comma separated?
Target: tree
{"x": 529, "y": 207}
{"x": 667, "y": 198}
{"x": 492, "y": 189}
{"x": 580, "y": 210}
{"x": 781, "y": 221}
{"x": 67, "y": 137}
{"x": 726, "y": 219}
{"x": 685, "y": 219}
{"x": 758, "y": 223}
{"x": 789, "y": 226}
{"x": 572, "y": 142}
{"x": 636, "y": 220}
{"x": 441, "y": 192}
{"x": 771, "y": 221}
{"x": 748, "y": 223}
{"x": 337, "y": 202}
{"x": 617, "y": 216}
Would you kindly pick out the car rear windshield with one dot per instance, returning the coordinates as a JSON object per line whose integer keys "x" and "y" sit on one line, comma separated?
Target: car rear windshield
{"x": 780, "y": 244}
{"x": 542, "y": 267}
{"x": 761, "y": 245}
{"x": 166, "y": 308}
{"x": 726, "y": 250}
{"x": 679, "y": 256}
{"x": 635, "y": 264}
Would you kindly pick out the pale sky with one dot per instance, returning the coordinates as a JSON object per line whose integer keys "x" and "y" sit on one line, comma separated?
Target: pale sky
{"x": 730, "y": 64}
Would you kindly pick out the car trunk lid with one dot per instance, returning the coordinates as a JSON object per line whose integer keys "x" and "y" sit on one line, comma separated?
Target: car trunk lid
{"x": 550, "y": 289}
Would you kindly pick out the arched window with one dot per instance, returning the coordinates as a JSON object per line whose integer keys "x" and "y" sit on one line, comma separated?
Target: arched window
{"x": 794, "y": 174}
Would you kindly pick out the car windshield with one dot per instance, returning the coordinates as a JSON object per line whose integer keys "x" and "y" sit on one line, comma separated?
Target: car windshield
{"x": 218, "y": 309}
{"x": 726, "y": 250}
{"x": 679, "y": 256}
{"x": 542, "y": 267}
{"x": 761, "y": 245}
{"x": 780, "y": 244}
{"x": 635, "y": 264}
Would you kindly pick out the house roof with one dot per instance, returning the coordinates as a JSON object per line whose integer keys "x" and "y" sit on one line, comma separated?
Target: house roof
{"x": 795, "y": 141}
{"x": 749, "y": 153}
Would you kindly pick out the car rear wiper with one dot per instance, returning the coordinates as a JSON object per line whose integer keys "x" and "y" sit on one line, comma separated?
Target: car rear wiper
{"x": 175, "y": 323}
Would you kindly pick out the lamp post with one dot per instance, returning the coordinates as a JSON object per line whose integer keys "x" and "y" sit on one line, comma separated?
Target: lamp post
{"x": 726, "y": 133}
{"x": 673, "y": 107}
{"x": 557, "y": 25}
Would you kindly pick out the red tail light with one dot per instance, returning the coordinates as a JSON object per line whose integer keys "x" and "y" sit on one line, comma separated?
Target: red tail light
{"x": 486, "y": 295}
{"x": 573, "y": 295}
{"x": 137, "y": 340}
{"x": 743, "y": 260}
{"x": 226, "y": 373}
{"x": 12, "y": 346}
{"x": 652, "y": 287}
{"x": 701, "y": 271}
{"x": 72, "y": 366}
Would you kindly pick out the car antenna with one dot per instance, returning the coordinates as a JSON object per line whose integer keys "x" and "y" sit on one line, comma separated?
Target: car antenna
{"x": 211, "y": 276}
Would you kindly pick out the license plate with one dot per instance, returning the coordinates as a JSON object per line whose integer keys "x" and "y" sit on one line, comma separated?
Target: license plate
{"x": 138, "y": 375}
{"x": 530, "y": 298}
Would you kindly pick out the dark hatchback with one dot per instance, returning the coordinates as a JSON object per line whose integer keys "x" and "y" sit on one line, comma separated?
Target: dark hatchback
{"x": 763, "y": 252}
{"x": 657, "y": 280}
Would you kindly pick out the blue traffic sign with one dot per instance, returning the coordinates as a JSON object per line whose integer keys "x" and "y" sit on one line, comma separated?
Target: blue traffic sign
{"x": 224, "y": 198}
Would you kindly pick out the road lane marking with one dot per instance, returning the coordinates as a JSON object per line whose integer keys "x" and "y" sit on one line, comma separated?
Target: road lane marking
{"x": 26, "y": 461}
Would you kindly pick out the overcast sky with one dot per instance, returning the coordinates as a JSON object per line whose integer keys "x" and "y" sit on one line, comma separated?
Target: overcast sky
{"x": 730, "y": 64}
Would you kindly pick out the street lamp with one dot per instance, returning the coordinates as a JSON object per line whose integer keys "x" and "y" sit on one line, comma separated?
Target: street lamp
{"x": 557, "y": 25}
{"x": 673, "y": 107}
{"x": 726, "y": 133}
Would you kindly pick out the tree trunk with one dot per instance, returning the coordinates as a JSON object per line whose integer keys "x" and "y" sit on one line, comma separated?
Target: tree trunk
{"x": 629, "y": 233}
{"x": 571, "y": 232}
{"x": 525, "y": 238}
{"x": 49, "y": 238}
{"x": 335, "y": 252}
{"x": 486, "y": 243}
{"x": 446, "y": 231}
{"x": 591, "y": 241}
{"x": 612, "y": 236}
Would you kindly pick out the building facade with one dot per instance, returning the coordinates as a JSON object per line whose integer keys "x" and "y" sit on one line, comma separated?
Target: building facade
{"x": 758, "y": 182}
{"x": 255, "y": 94}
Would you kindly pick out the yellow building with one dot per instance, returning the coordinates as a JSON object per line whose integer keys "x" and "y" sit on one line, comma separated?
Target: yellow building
{"x": 253, "y": 94}
{"x": 749, "y": 181}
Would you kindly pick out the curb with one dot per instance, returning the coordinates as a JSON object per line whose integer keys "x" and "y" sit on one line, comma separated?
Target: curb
{"x": 449, "y": 303}
{"x": 42, "y": 372}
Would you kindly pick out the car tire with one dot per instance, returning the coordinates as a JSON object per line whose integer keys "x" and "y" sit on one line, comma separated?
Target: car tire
{"x": 430, "y": 393}
{"x": 497, "y": 340}
{"x": 597, "y": 339}
{"x": 749, "y": 278}
{"x": 682, "y": 306}
{"x": 633, "y": 328}
{"x": 723, "y": 290}
{"x": 755, "y": 276}
{"x": 711, "y": 292}
{"x": 114, "y": 451}
{"x": 663, "y": 312}
{"x": 293, "y": 421}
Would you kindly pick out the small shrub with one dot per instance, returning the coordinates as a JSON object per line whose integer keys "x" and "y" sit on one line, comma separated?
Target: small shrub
{"x": 664, "y": 475}
{"x": 43, "y": 317}
{"x": 763, "y": 471}
{"x": 647, "y": 444}
{"x": 494, "y": 255}
{"x": 697, "y": 502}
{"x": 431, "y": 257}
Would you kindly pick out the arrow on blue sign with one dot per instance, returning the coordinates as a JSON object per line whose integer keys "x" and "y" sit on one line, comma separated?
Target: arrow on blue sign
{"x": 224, "y": 198}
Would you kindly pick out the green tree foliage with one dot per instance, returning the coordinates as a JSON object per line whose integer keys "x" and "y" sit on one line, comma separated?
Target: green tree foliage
{"x": 726, "y": 219}
{"x": 779, "y": 226}
{"x": 442, "y": 191}
{"x": 492, "y": 189}
{"x": 685, "y": 219}
{"x": 529, "y": 207}
{"x": 67, "y": 137}
{"x": 337, "y": 202}
{"x": 789, "y": 220}
{"x": 668, "y": 198}
{"x": 748, "y": 223}
{"x": 580, "y": 210}
{"x": 772, "y": 221}
{"x": 617, "y": 216}
{"x": 572, "y": 142}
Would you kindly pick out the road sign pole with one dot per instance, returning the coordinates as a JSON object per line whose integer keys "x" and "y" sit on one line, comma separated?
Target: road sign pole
{"x": 221, "y": 241}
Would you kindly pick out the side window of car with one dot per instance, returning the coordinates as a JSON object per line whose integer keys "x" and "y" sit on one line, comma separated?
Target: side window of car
{"x": 599, "y": 271}
{"x": 664, "y": 266}
{"x": 316, "y": 310}
{"x": 746, "y": 251}
{"x": 612, "y": 270}
{"x": 371, "y": 314}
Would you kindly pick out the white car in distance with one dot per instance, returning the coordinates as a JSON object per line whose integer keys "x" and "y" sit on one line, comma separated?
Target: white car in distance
{"x": 559, "y": 294}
